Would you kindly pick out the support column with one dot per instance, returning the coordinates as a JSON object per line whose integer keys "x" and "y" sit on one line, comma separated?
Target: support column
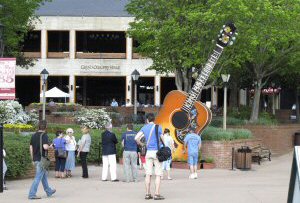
{"x": 72, "y": 44}
{"x": 71, "y": 88}
{"x": 129, "y": 89}
{"x": 128, "y": 48}
{"x": 157, "y": 89}
{"x": 43, "y": 43}
{"x": 41, "y": 89}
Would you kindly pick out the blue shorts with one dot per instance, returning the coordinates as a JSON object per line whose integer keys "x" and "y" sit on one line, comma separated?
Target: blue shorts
{"x": 193, "y": 159}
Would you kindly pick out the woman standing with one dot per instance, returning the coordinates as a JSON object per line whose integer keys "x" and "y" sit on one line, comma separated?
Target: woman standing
{"x": 109, "y": 152}
{"x": 84, "y": 149}
{"x": 169, "y": 142}
{"x": 60, "y": 154}
{"x": 70, "y": 147}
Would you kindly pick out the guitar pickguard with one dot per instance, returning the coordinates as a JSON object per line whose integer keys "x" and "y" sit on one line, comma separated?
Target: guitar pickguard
{"x": 180, "y": 134}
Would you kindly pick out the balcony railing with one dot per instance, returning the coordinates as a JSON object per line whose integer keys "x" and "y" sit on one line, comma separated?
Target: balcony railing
{"x": 81, "y": 55}
{"x": 32, "y": 54}
{"x": 58, "y": 54}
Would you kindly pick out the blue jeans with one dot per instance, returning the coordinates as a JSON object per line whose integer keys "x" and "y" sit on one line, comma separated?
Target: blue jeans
{"x": 193, "y": 159}
{"x": 40, "y": 175}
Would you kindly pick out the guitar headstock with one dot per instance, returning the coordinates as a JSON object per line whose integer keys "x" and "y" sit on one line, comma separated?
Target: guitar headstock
{"x": 227, "y": 35}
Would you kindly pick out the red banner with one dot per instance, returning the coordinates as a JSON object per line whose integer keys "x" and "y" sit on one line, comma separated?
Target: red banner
{"x": 7, "y": 78}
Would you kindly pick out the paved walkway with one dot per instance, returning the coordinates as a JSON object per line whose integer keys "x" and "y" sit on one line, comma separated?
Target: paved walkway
{"x": 265, "y": 183}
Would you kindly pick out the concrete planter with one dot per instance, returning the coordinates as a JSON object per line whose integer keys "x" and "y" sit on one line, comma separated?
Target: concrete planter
{"x": 208, "y": 165}
{"x": 180, "y": 165}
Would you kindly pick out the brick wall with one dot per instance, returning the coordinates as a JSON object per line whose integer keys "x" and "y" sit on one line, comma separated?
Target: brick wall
{"x": 280, "y": 139}
{"x": 221, "y": 151}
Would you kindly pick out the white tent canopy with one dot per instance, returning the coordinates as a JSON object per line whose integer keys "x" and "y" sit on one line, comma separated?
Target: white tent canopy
{"x": 55, "y": 93}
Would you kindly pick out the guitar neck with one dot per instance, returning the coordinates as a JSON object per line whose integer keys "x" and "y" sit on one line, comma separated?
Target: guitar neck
{"x": 202, "y": 78}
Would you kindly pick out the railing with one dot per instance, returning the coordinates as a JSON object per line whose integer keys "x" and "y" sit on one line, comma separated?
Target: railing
{"x": 58, "y": 54}
{"x": 81, "y": 55}
{"x": 32, "y": 54}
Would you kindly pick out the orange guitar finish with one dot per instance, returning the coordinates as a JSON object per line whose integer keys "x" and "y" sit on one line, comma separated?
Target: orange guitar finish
{"x": 173, "y": 102}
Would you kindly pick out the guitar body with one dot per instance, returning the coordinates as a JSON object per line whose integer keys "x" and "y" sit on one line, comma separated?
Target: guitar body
{"x": 199, "y": 118}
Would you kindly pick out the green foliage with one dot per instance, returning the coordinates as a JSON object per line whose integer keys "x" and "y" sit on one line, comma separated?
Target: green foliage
{"x": 242, "y": 112}
{"x": 17, "y": 16}
{"x": 17, "y": 155}
{"x": 209, "y": 160}
{"x": 215, "y": 134}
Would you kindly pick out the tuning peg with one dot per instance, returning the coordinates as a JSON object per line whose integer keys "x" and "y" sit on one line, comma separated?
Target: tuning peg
{"x": 224, "y": 26}
{"x": 233, "y": 38}
{"x": 230, "y": 43}
{"x": 223, "y": 34}
{"x": 220, "y": 39}
{"x": 236, "y": 33}
{"x": 230, "y": 33}
{"x": 221, "y": 31}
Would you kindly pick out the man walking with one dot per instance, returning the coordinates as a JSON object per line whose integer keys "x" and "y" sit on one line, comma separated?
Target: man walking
{"x": 192, "y": 141}
{"x": 149, "y": 132}
{"x": 40, "y": 174}
{"x": 130, "y": 154}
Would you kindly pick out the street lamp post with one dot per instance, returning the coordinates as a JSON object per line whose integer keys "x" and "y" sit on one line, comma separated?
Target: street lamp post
{"x": 44, "y": 75}
{"x": 135, "y": 77}
{"x": 225, "y": 79}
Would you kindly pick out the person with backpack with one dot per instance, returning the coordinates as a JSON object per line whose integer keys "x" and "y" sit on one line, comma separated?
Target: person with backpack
{"x": 38, "y": 149}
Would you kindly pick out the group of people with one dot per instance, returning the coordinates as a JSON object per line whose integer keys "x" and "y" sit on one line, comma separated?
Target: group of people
{"x": 150, "y": 135}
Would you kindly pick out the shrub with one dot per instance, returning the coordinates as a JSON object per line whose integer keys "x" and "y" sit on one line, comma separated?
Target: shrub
{"x": 12, "y": 112}
{"x": 212, "y": 133}
{"x": 18, "y": 127}
{"x": 209, "y": 160}
{"x": 17, "y": 155}
{"x": 93, "y": 118}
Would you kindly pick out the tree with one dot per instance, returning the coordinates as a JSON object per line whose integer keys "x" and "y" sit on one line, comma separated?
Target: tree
{"x": 176, "y": 35}
{"x": 17, "y": 17}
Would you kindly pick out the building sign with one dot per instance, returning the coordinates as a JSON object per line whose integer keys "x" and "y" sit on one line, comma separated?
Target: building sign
{"x": 7, "y": 78}
{"x": 99, "y": 68}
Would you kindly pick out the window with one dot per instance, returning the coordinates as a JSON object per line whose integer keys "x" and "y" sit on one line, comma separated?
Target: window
{"x": 32, "y": 42}
{"x": 100, "y": 42}
{"x": 58, "y": 41}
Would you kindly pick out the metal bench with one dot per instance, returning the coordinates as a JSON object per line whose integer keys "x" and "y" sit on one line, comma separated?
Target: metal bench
{"x": 259, "y": 152}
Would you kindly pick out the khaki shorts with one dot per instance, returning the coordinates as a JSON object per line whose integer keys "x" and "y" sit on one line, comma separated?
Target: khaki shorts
{"x": 150, "y": 160}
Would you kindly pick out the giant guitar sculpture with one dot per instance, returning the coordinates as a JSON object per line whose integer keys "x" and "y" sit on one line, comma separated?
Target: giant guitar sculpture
{"x": 181, "y": 111}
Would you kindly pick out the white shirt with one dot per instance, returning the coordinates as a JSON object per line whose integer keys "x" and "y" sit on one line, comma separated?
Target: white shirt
{"x": 168, "y": 141}
{"x": 71, "y": 143}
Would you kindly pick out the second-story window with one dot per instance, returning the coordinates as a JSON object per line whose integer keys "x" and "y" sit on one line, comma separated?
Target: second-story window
{"x": 101, "y": 44}
{"x": 32, "y": 42}
{"x": 58, "y": 44}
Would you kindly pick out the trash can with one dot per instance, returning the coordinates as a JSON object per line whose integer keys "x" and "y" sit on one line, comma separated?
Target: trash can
{"x": 243, "y": 158}
{"x": 297, "y": 139}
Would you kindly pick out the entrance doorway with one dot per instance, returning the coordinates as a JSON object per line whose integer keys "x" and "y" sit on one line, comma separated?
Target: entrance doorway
{"x": 99, "y": 91}
{"x": 145, "y": 91}
{"x": 27, "y": 89}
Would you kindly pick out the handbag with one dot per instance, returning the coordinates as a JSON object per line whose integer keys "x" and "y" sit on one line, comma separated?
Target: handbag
{"x": 143, "y": 148}
{"x": 164, "y": 153}
{"x": 61, "y": 153}
{"x": 45, "y": 161}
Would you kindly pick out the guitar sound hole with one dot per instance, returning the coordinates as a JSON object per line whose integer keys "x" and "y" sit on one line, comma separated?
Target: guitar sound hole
{"x": 180, "y": 120}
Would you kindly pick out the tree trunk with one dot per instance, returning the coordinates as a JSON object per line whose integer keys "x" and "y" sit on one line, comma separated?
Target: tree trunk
{"x": 233, "y": 97}
{"x": 183, "y": 79}
{"x": 256, "y": 102}
{"x": 178, "y": 79}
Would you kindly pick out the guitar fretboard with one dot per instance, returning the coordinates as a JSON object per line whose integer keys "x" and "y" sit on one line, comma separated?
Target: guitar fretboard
{"x": 201, "y": 80}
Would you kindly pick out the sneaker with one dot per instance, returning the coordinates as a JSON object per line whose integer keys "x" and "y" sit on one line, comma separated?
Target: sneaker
{"x": 158, "y": 197}
{"x": 116, "y": 180}
{"x": 53, "y": 191}
{"x": 34, "y": 197}
{"x": 191, "y": 176}
{"x": 195, "y": 175}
